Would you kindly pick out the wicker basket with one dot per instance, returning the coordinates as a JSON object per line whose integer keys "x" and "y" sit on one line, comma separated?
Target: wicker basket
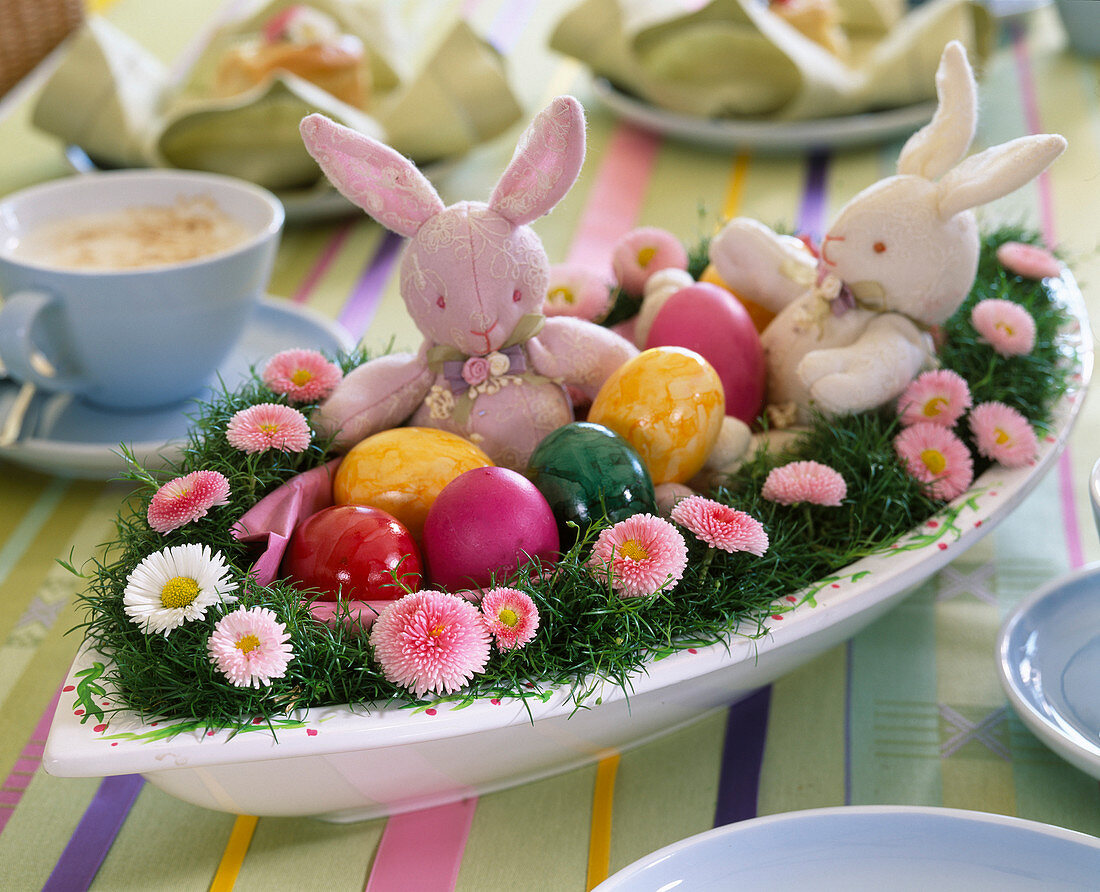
{"x": 29, "y": 29}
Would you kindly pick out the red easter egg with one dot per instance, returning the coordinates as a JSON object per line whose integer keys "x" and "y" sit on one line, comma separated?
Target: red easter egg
{"x": 355, "y": 552}
{"x": 709, "y": 320}
{"x": 486, "y": 521}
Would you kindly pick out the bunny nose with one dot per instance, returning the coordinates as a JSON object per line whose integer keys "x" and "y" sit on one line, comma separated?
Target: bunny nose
{"x": 484, "y": 333}
{"x": 825, "y": 248}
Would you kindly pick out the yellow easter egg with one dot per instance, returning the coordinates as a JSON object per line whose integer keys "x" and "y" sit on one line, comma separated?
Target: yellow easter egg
{"x": 402, "y": 470}
{"x": 668, "y": 403}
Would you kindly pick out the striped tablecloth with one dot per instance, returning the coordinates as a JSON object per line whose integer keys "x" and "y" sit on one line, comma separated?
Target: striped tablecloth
{"x": 909, "y": 712}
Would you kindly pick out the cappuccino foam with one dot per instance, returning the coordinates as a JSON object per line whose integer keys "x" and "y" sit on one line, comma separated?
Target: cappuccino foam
{"x": 134, "y": 237}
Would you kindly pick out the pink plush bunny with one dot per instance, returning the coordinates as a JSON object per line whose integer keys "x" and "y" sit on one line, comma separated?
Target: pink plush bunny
{"x": 852, "y": 329}
{"x": 474, "y": 276}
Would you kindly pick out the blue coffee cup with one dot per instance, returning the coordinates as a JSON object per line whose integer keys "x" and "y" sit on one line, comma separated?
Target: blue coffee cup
{"x": 130, "y": 337}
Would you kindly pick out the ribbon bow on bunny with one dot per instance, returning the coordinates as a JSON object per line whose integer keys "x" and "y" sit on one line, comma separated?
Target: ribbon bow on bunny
{"x": 906, "y": 248}
{"x": 474, "y": 279}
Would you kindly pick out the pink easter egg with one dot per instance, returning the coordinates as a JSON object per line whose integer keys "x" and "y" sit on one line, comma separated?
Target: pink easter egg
{"x": 487, "y": 521}
{"x": 1029, "y": 261}
{"x": 709, "y": 320}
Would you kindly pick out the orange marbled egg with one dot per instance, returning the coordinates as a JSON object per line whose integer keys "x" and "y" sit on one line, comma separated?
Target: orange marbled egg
{"x": 668, "y": 403}
{"x": 402, "y": 470}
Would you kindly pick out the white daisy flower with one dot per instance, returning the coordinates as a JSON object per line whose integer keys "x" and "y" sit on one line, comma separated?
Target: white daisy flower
{"x": 175, "y": 585}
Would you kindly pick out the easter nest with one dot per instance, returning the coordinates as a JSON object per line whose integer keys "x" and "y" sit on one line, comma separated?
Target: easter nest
{"x": 587, "y": 634}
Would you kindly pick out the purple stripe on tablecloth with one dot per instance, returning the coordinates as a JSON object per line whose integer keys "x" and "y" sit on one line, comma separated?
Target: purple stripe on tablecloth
{"x": 92, "y": 839}
{"x": 509, "y": 22}
{"x": 811, "y": 213}
{"x": 328, "y": 255}
{"x": 742, "y": 756}
{"x": 363, "y": 304}
{"x": 1066, "y": 484}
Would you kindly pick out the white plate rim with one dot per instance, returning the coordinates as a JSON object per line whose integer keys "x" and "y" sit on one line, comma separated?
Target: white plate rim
{"x": 767, "y": 135}
{"x": 782, "y": 822}
{"x": 1063, "y": 739}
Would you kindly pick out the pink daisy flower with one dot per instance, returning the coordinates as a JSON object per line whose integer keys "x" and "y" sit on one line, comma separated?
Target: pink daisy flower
{"x": 511, "y": 616}
{"x": 1028, "y": 261}
{"x": 268, "y": 426}
{"x": 186, "y": 499}
{"x": 721, "y": 526}
{"x": 940, "y": 397}
{"x": 303, "y": 376}
{"x": 805, "y": 481}
{"x": 642, "y": 252}
{"x": 644, "y": 553}
{"x": 576, "y": 291}
{"x": 937, "y": 458}
{"x": 1007, "y": 326}
{"x": 430, "y": 642}
{"x": 249, "y": 647}
{"x": 1003, "y": 434}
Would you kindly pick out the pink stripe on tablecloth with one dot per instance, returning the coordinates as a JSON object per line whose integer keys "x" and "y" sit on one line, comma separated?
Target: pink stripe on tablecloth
{"x": 423, "y": 849}
{"x": 28, "y": 762}
{"x": 616, "y": 197}
{"x": 1066, "y": 484}
{"x": 328, "y": 255}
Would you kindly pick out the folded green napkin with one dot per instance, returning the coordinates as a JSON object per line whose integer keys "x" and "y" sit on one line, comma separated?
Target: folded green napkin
{"x": 739, "y": 58}
{"x": 434, "y": 90}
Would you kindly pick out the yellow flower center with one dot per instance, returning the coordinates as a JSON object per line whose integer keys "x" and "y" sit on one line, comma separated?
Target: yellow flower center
{"x": 645, "y": 255}
{"x": 1002, "y": 437}
{"x": 634, "y": 550}
{"x": 934, "y": 406}
{"x": 301, "y": 376}
{"x": 934, "y": 460}
{"x": 436, "y": 630}
{"x": 179, "y": 591}
{"x": 1005, "y": 327}
{"x": 270, "y": 429}
{"x": 248, "y": 644}
{"x": 508, "y": 617}
{"x": 561, "y": 294}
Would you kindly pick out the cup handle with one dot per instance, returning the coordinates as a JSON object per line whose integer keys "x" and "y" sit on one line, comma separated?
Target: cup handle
{"x": 19, "y": 313}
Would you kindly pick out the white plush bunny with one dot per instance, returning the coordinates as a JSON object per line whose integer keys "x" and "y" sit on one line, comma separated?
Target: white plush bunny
{"x": 852, "y": 327}
{"x": 474, "y": 277}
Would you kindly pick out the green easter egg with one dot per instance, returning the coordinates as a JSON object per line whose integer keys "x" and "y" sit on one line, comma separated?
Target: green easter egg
{"x": 586, "y": 472}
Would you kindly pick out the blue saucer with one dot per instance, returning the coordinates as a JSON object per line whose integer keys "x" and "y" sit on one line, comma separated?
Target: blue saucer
{"x": 1049, "y": 661}
{"x": 64, "y": 436}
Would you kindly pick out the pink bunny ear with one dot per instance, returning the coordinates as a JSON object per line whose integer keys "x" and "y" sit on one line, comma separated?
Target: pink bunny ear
{"x": 380, "y": 180}
{"x": 546, "y": 163}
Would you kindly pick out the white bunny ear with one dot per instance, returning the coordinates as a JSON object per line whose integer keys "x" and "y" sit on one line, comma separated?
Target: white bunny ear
{"x": 942, "y": 142}
{"x": 996, "y": 172}
{"x": 545, "y": 165}
{"x": 370, "y": 174}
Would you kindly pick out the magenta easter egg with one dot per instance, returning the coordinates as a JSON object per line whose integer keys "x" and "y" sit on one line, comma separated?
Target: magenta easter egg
{"x": 712, "y": 322}
{"x": 486, "y": 521}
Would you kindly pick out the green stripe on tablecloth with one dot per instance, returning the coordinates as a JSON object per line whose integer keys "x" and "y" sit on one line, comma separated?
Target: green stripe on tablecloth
{"x": 666, "y": 789}
{"x": 558, "y": 810}
{"x": 21, "y": 537}
{"x": 892, "y": 715}
{"x": 299, "y": 250}
{"x": 284, "y": 848}
{"x": 804, "y": 756}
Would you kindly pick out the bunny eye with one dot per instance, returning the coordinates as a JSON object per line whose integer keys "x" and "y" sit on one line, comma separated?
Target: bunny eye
{"x": 441, "y": 303}
{"x": 516, "y": 296}
{"x": 879, "y": 247}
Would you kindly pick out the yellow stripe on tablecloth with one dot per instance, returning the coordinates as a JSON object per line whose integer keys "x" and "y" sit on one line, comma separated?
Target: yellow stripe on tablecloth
{"x": 599, "y": 845}
{"x": 235, "y": 850}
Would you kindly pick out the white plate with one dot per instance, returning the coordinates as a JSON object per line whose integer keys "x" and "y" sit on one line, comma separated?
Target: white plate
{"x": 64, "y": 436}
{"x": 343, "y": 764}
{"x": 871, "y": 847}
{"x": 1048, "y": 657}
{"x": 769, "y": 137}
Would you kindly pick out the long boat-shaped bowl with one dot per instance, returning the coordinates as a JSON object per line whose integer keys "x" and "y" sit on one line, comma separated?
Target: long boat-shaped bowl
{"x": 342, "y": 764}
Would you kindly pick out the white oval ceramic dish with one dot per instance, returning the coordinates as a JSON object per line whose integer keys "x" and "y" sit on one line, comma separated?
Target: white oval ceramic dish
{"x": 765, "y": 136}
{"x": 904, "y": 849}
{"x": 1048, "y": 659}
{"x": 338, "y": 764}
